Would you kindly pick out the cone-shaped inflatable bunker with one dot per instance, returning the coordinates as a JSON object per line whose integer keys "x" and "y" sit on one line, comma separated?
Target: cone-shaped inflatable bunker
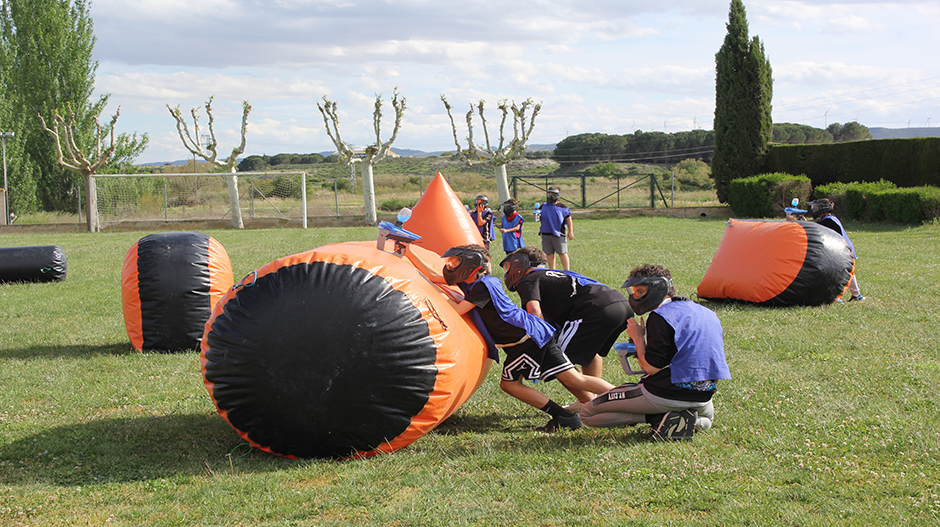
{"x": 42, "y": 263}
{"x": 778, "y": 263}
{"x": 441, "y": 220}
{"x": 342, "y": 351}
{"x": 169, "y": 285}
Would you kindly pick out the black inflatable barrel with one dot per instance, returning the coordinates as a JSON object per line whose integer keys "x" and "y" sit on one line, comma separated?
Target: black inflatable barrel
{"x": 42, "y": 263}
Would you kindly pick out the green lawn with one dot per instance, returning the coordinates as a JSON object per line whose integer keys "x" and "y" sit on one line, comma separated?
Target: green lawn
{"x": 831, "y": 418}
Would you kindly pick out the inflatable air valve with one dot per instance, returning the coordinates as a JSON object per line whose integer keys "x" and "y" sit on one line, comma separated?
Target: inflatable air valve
{"x": 43, "y": 263}
{"x": 169, "y": 285}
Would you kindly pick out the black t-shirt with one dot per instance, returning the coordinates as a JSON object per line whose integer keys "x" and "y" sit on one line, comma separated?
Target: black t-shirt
{"x": 660, "y": 350}
{"x": 501, "y": 331}
{"x": 562, "y": 298}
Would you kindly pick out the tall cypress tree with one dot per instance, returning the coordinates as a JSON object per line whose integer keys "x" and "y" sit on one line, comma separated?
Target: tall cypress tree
{"x": 743, "y": 93}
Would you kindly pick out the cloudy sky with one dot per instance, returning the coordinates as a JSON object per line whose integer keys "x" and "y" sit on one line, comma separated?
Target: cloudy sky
{"x": 595, "y": 65}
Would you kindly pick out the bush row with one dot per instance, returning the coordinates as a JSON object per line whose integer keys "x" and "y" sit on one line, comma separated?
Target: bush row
{"x": 766, "y": 195}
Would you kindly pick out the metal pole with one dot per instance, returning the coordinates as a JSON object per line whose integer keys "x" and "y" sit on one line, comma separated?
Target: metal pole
{"x": 335, "y": 198}
{"x": 652, "y": 191}
{"x": 672, "y": 198}
{"x": 165, "y": 219}
{"x": 6, "y": 189}
{"x": 303, "y": 196}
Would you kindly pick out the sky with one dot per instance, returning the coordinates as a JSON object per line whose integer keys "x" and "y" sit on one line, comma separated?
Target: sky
{"x": 608, "y": 66}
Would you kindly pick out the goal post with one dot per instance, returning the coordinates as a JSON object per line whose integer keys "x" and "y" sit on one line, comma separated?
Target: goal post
{"x": 204, "y": 196}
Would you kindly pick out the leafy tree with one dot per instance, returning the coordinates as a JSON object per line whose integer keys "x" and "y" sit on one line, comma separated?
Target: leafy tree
{"x": 46, "y": 50}
{"x": 743, "y": 93}
{"x": 252, "y": 164}
{"x": 852, "y": 131}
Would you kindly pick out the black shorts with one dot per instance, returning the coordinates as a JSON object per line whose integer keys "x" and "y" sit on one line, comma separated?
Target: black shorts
{"x": 528, "y": 361}
{"x": 582, "y": 340}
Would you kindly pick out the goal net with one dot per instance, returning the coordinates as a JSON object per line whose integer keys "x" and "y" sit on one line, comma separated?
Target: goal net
{"x": 179, "y": 197}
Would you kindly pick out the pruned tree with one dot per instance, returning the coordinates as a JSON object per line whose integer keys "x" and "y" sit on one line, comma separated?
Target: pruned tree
{"x": 71, "y": 157}
{"x": 210, "y": 152}
{"x": 507, "y": 149}
{"x": 372, "y": 154}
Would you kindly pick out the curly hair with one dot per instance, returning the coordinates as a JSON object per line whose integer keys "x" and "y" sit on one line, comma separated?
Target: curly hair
{"x": 654, "y": 270}
{"x": 535, "y": 255}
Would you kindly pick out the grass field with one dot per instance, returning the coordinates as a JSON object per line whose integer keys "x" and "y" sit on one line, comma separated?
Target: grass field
{"x": 831, "y": 418}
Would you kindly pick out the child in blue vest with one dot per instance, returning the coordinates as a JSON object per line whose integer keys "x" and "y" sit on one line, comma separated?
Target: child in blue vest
{"x": 681, "y": 349}
{"x": 511, "y": 226}
{"x": 821, "y": 211}
{"x": 482, "y": 217}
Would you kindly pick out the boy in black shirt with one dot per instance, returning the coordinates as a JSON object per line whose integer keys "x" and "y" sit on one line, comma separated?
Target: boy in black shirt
{"x": 531, "y": 350}
{"x": 589, "y": 315}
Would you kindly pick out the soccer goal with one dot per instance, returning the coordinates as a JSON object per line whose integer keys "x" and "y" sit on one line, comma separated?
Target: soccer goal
{"x": 181, "y": 197}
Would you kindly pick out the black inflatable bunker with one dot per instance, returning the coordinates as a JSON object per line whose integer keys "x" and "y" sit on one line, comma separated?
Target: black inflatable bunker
{"x": 41, "y": 263}
{"x": 343, "y": 351}
{"x": 169, "y": 285}
{"x": 779, "y": 263}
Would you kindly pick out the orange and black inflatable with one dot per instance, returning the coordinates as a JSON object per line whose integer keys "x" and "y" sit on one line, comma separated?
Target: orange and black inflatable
{"x": 778, "y": 263}
{"x": 343, "y": 351}
{"x": 41, "y": 263}
{"x": 170, "y": 284}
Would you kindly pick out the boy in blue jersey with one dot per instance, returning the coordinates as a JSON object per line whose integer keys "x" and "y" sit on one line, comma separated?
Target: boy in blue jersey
{"x": 555, "y": 227}
{"x": 821, "y": 211}
{"x": 531, "y": 349}
{"x": 681, "y": 349}
{"x": 511, "y": 226}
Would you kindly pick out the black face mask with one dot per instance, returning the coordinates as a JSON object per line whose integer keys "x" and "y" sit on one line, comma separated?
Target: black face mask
{"x": 552, "y": 197}
{"x": 470, "y": 263}
{"x": 518, "y": 266}
{"x": 657, "y": 287}
{"x": 509, "y": 210}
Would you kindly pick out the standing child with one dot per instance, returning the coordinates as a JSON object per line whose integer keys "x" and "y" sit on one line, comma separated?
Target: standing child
{"x": 555, "y": 227}
{"x": 511, "y": 226}
{"x": 530, "y": 346}
{"x": 821, "y": 211}
{"x": 483, "y": 219}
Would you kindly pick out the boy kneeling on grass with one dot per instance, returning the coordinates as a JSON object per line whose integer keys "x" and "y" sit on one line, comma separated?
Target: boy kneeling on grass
{"x": 681, "y": 348}
{"x": 529, "y": 342}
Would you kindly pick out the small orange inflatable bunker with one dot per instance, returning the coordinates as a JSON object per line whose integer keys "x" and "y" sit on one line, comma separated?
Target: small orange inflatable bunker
{"x": 342, "y": 351}
{"x": 778, "y": 263}
{"x": 170, "y": 284}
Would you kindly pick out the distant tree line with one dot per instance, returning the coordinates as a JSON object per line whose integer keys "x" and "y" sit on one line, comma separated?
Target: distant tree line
{"x": 793, "y": 134}
{"x": 638, "y": 147}
{"x": 264, "y": 162}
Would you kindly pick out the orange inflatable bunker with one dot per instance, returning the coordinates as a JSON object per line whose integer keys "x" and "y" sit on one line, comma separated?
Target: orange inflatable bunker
{"x": 343, "y": 351}
{"x": 170, "y": 284}
{"x": 778, "y": 263}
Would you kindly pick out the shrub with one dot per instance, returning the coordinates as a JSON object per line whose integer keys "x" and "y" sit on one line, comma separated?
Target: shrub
{"x": 849, "y": 199}
{"x": 693, "y": 174}
{"x": 766, "y": 195}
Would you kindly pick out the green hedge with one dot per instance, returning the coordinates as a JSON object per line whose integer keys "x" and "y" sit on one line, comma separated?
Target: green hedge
{"x": 882, "y": 201}
{"x": 906, "y": 162}
{"x": 766, "y": 195}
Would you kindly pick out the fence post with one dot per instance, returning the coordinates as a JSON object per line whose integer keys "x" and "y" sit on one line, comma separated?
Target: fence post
{"x": 303, "y": 197}
{"x": 583, "y": 192}
{"x": 165, "y": 206}
{"x": 335, "y": 198}
{"x": 652, "y": 191}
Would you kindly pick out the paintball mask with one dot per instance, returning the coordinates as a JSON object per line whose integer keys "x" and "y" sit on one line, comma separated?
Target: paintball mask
{"x": 519, "y": 264}
{"x": 657, "y": 287}
{"x": 461, "y": 263}
{"x": 553, "y": 195}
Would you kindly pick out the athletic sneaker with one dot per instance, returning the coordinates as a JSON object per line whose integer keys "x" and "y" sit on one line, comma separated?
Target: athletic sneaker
{"x": 557, "y": 423}
{"x": 857, "y": 298}
{"x": 676, "y": 426}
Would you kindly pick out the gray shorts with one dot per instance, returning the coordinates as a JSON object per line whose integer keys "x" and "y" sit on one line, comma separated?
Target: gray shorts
{"x": 554, "y": 244}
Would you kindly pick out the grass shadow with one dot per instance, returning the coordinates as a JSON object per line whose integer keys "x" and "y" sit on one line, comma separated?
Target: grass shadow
{"x": 70, "y": 352}
{"x": 136, "y": 449}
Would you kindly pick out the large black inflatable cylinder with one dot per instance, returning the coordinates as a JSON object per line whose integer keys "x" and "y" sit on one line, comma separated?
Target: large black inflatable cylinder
{"x": 43, "y": 263}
